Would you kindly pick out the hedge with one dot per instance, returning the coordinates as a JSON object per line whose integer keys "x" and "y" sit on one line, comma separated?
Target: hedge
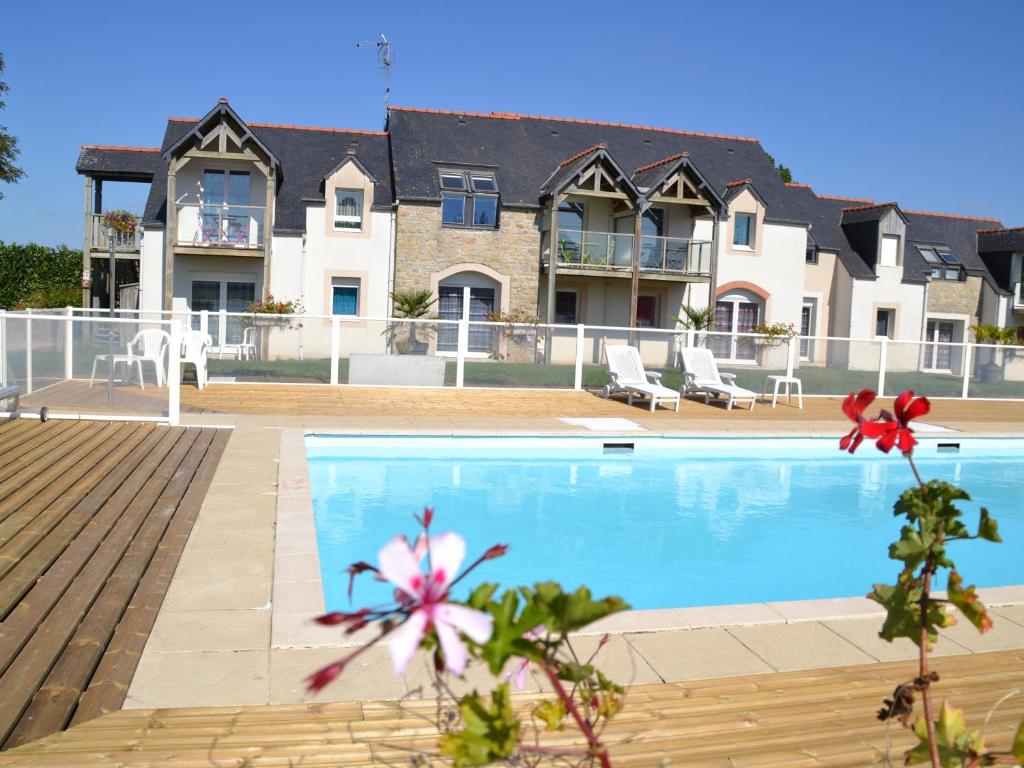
{"x": 38, "y": 275}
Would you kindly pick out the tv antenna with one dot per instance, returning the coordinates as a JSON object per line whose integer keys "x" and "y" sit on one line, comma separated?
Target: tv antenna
{"x": 385, "y": 60}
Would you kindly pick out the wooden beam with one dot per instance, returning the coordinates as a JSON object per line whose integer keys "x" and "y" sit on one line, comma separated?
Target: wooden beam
{"x": 552, "y": 270}
{"x": 87, "y": 240}
{"x": 268, "y": 229}
{"x": 171, "y": 233}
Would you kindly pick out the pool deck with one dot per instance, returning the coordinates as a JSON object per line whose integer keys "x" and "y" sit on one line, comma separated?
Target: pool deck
{"x": 233, "y": 629}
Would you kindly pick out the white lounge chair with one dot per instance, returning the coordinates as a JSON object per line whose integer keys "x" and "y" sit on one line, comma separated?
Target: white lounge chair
{"x": 194, "y": 346}
{"x": 628, "y": 375}
{"x": 700, "y": 375}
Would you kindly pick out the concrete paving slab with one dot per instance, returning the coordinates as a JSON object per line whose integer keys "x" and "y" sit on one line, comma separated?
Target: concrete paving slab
{"x": 696, "y": 654}
{"x": 368, "y": 676}
{"x": 200, "y": 679}
{"x": 228, "y": 630}
{"x": 803, "y": 645}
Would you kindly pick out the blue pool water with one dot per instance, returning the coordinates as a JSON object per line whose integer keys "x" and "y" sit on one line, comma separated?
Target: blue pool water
{"x": 676, "y": 522}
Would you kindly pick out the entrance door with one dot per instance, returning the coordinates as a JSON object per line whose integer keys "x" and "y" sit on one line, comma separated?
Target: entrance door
{"x": 939, "y": 353}
{"x": 734, "y": 314}
{"x": 465, "y": 302}
{"x": 231, "y": 295}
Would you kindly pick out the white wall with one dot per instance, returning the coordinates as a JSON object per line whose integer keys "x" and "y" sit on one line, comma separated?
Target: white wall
{"x": 151, "y": 271}
{"x": 777, "y": 268}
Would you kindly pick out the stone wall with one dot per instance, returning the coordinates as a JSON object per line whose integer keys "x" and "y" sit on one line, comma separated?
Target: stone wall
{"x": 956, "y": 298}
{"x": 423, "y": 247}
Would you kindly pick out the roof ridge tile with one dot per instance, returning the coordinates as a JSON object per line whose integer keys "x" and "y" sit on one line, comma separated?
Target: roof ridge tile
{"x": 582, "y": 153}
{"x": 285, "y": 126}
{"x": 121, "y": 149}
{"x": 872, "y": 206}
{"x": 952, "y": 216}
{"x": 999, "y": 229}
{"x": 663, "y": 161}
{"x": 739, "y": 183}
{"x": 609, "y": 124}
{"x": 847, "y": 199}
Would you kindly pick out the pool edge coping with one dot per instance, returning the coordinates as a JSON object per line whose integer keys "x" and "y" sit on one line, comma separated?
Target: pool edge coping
{"x": 296, "y": 536}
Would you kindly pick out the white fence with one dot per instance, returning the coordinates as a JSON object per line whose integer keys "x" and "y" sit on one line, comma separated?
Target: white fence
{"x": 77, "y": 365}
{"x": 320, "y": 349}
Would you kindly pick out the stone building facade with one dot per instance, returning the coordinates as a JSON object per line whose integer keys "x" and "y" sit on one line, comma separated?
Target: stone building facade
{"x": 424, "y": 249}
{"x": 956, "y": 298}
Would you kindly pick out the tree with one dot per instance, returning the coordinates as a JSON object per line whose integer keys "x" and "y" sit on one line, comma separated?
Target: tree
{"x": 9, "y": 172}
{"x": 784, "y": 173}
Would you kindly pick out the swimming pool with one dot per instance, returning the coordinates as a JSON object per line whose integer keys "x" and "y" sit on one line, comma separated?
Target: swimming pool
{"x": 663, "y": 522}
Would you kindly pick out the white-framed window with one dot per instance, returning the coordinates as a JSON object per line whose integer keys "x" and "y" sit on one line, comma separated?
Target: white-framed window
{"x": 938, "y": 352}
{"x": 743, "y": 230}
{"x": 469, "y": 199}
{"x": 473, "y": 297}
{"x": 890, "y": 255}
{"x": 214, "y": 292}
{"x": 348, "y": 209}
{"x": 567, "y": 307}
{"x": 808, "y": 325}
{"x": 885, "y": 323}
{"x": 345, "y": 296}
{"x": 736, "y": 313}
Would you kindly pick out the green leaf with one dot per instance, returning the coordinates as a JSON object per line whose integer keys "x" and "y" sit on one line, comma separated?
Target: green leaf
{"x": 967, "y": 601}
{"x": 988, "y": 528}
{"x": 911, "y": 549}
{"x": 490, "y": 733}
{"x": 956, "y": 745}
{"x": 1018, "y": 744}
{"x": 567, "y": 612}
{"x": 509, "y": 626}
{"x": 903, "y": 613}
{"x": 552, "y": 713}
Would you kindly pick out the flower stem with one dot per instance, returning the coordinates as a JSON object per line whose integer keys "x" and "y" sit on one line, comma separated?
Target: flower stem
{"x": 926, "y": 695}
{"x": 596, "y": 748}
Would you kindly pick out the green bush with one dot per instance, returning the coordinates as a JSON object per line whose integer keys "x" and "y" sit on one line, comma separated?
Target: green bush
{"x": 38, "y": 275}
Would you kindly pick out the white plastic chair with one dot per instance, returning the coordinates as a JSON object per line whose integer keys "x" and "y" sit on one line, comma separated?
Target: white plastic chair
{"x": 701, "y": 375}
{"x": 194, "y": 347}
{"x": 153, "y": 344}
{"x": 628, "y": 375}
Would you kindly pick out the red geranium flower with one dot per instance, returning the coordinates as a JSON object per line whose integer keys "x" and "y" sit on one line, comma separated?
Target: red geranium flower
{"x": 896, "y": 431}
{"x": 854, "y": 406}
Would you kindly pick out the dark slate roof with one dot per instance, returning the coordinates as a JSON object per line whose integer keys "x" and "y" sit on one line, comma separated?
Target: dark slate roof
{"x": 1001, "y": 240}
{"x": 138, "y": 163}
{"x": 646, "y": 176}
{"x": 306, "y": 156}
{"x": 825, "y": 217}
{"x": 574, "y": 165}
{"x": 861, "y": 213}
{"x": 960, "y": 233}
{"x": 525, "y": 150}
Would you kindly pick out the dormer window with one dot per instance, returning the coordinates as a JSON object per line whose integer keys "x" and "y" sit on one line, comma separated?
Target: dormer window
{"x": 943, "y": 263}
{"x": 469, "y": 199}
{"x": 348, "y": 209}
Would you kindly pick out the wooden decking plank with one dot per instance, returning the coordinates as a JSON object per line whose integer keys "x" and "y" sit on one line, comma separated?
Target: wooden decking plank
{"x": 21, "y": 679}
{"x": 16, "y": 435}
{"x": 27, "y": 452}
{"x": 107, "y": 690}
{"x": 54, "y": 702}
{"x": 78, "y": 505}
{"x": 48, "y": 479}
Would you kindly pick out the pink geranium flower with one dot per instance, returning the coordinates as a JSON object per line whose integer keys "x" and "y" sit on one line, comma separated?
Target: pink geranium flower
{"x": 426, "y": 594}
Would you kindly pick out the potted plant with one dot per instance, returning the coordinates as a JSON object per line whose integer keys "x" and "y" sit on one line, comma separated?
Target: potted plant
{"x": 412, "y": 338}
{"x": 121, "y": 222}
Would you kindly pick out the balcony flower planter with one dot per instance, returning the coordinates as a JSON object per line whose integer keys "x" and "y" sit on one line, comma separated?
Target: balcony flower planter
{"x": 121, "y": 222}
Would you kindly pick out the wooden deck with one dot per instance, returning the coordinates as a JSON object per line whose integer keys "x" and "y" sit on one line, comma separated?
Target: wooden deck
{"x": 819, "y": 718}
{"x": 93, "y": 519}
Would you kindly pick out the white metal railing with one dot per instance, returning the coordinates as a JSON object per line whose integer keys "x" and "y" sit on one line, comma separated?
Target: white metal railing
{"x": 614, "y": 251}
{"x": 41, "y": 350}
{"x": 557, "y": 355}
{"x": 124, "y": 242}
{"x": 220, "y": 224}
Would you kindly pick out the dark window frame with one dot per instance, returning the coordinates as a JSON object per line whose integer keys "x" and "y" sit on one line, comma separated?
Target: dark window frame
{"x": 469, "y": 194}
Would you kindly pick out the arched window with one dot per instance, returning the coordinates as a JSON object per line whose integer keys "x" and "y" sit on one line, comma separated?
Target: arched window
{"x": 737, "y": 311}
{"x": 467, "y": 296}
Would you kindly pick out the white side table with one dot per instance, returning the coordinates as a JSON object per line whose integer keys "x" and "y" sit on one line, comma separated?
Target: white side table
{"x": 789, "y": 381}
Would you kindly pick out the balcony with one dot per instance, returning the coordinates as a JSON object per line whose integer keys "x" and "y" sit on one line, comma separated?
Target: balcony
{"x": 216, "y": 225}
{"x": 1018, "y": 297}
{"x": 610, "y": 252}
{"x": 124, "y": 242}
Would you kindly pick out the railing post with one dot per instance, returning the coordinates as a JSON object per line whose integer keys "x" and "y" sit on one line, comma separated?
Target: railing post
{"x": 578, "y": 376}
{"x": 792, "y": 345}
{"x": 965, "y": 392}
{"x": 335, "y": 348}
{"x": 3, "y": 348}
{"x": 174, "y": 375}
{"x": 69, "y": 337}
{"x": 882, "y": 355}
{"x": 691, "y": 338}
{"x": 28, "y": 352}
{"x": 460, "y": 359}
{"x": 222, "y": 328}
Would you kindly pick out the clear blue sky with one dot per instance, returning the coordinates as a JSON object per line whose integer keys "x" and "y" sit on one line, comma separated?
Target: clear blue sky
{"x": 918, "y": 102}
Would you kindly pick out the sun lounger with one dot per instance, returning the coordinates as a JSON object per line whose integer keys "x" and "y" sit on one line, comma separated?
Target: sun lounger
{"x": 701, "y": 376}
{"x": 628, "y": 375}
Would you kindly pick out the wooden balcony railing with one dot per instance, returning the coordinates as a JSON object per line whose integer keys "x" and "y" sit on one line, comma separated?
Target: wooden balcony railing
{"x": 124, "y": 242}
